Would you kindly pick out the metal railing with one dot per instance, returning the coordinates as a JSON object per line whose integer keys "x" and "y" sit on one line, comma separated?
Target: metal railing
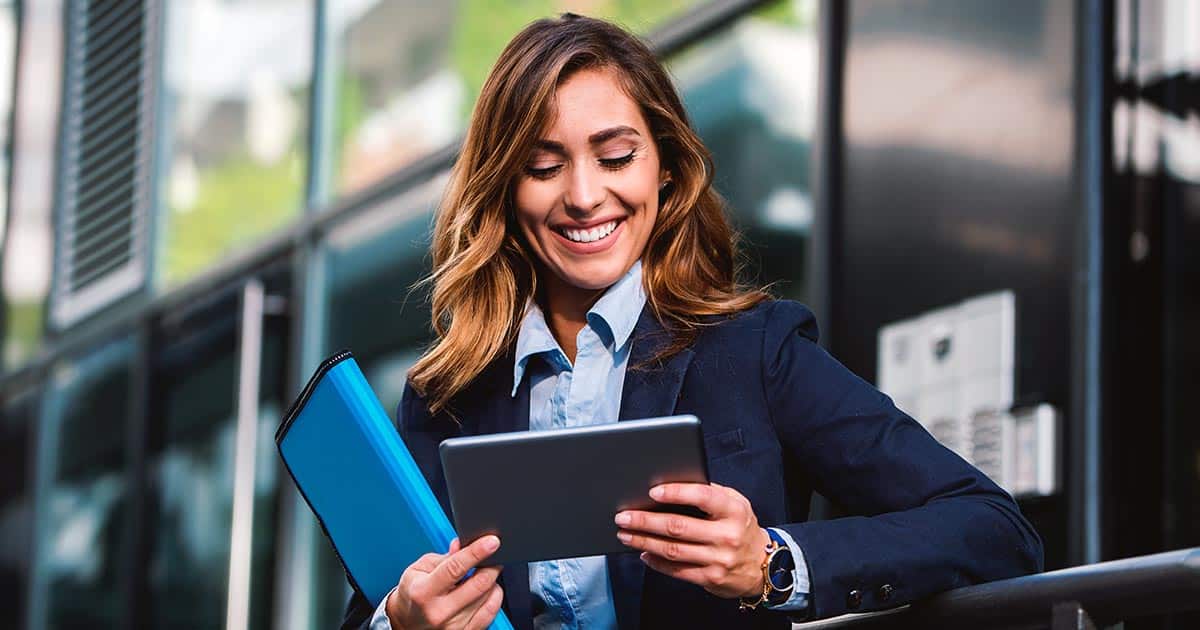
{"x": 1084, "y": 597}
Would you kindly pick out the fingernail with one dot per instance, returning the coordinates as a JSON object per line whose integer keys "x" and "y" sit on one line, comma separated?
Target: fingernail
{"x": 656, "y": 492}
{"x": 624, "y": 537}
{"x": 623, "y": 519}
{"x": 491, "y": 543}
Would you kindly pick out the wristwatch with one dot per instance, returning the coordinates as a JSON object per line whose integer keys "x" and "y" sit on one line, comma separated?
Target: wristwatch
{"x": 779, "y": 574}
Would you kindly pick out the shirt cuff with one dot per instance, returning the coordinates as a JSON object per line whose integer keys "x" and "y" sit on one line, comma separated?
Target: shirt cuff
{"x": 800, "y": 581}
{"x": 380, "y": 620}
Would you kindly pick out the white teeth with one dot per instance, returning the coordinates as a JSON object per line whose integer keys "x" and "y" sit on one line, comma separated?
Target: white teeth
{"x": 588, "y": 236}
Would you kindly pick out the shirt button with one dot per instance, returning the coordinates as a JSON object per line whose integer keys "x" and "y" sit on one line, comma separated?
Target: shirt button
{"x": 854, "y": 599}
{"x": 885, "y": 592}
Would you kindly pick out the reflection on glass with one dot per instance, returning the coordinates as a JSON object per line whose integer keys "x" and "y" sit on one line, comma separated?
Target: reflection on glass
{"x": 17, "y": 419}
{"x": 751, "y": 94}
{"x": 406, "y": 73}
{"x": 192, "y": 474}
{"x": 82, "y": 544}
{"x": 236, "y": 81}
{"x": 27, "y": 230}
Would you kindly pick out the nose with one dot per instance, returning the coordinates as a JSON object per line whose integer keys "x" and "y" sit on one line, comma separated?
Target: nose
{"x": 585, "y": 191}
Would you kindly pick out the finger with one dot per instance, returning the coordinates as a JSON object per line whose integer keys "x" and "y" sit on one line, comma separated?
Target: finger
{"x": 473, "y": 589}
{"x": 686, "y": 572}
{"x": 455, "y": 545}
{"x": 666, "y": 525}
{"x": 714, "y": 500}
{"x": 427, "y": 563}
{"x": 456, "y": 565}
{"x": 671, "y": 549}
{"x": 486, "y": 612}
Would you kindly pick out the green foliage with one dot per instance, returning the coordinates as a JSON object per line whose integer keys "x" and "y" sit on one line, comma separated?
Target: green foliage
{"x": 484, "y": 27}
{"x": 237, "y": 200}
{"x": 25, "y": 330}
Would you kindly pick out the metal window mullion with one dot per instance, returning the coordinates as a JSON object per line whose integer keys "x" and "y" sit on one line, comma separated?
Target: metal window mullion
{"x": 237, "y": 611}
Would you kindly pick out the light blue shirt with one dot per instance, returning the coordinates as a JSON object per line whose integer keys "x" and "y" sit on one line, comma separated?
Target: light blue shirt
{"x": 574, "y": 593}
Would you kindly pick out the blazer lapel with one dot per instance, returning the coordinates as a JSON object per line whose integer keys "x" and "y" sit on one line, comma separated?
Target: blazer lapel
{"x": 651, "y": 389}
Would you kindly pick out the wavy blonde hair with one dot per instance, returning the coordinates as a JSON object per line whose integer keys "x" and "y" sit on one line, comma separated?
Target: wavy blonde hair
{"x": 483, "y": 272}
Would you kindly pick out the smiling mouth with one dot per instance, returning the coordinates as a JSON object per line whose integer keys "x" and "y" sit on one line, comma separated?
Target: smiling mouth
{"x": 600, "y": 232}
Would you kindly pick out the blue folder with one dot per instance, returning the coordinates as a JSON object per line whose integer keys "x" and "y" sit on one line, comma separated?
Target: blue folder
{"x": 357, "y": 476}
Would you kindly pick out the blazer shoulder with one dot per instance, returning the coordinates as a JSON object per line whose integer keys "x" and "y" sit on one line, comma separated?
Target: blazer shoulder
{"x": 770, "y": 320}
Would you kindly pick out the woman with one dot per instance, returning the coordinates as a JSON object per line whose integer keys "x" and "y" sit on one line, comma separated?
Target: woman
{"x": 584, "y": 274}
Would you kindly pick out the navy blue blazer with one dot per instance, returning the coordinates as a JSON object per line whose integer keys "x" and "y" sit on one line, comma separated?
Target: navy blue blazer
{"x": 781, "y": 418}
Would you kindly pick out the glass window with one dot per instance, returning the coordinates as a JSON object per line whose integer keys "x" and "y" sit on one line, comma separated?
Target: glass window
{"x": 235, "y": 124}
{"x": 191, "y": 469}
{"x": 751, "y": 93}
{"x": 26, "y": 237}
{"x": 18, "y": 416}
{"x": 406, "y": 74}
{"x": 82, "y": 548}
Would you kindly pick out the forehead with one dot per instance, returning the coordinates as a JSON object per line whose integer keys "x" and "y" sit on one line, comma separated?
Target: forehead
{"x": 588, "y": 101}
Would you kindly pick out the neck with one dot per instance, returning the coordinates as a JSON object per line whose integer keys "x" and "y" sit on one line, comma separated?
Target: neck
{"x": 566, "y": 307}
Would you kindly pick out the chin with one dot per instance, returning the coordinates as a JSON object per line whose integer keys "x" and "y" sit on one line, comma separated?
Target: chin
{"x": 593, "y": 275}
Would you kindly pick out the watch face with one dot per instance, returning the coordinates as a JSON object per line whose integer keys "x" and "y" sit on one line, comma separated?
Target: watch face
{"x": 782, "y": 570}
{"x": 781, "y": 573}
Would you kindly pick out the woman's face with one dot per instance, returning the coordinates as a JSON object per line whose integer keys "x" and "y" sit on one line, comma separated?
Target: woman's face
{"x": 588, "y": 196}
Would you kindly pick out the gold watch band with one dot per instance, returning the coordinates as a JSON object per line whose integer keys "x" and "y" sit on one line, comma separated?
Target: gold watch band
{"x": 745, "y": 603}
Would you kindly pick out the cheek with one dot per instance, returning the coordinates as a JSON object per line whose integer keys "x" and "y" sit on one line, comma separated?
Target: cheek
{"x": 533, "y": 205}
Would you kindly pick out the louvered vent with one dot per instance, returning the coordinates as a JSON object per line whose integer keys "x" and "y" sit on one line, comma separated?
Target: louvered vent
{"x": 104, "y": 196}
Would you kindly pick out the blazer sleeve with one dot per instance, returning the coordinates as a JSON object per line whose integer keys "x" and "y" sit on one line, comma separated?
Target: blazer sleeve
{"x": 928, "y": 521}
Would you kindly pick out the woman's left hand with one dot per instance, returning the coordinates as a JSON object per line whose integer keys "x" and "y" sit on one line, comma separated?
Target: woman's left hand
{"x": 722, "y": 553}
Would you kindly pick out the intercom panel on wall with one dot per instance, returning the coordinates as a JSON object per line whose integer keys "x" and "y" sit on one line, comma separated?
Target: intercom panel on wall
{"x": 952, "y": 369}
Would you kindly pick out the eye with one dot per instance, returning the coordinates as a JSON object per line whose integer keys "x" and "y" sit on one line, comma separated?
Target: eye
{"x": 617, "y": 162}
{"x": 543, "y": 173}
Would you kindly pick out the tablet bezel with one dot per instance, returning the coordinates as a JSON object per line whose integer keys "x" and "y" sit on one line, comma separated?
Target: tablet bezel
{"x": 502, "y": 484}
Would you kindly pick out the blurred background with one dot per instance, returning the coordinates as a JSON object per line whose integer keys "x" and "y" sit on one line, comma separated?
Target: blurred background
{"x": 993, "y": 208}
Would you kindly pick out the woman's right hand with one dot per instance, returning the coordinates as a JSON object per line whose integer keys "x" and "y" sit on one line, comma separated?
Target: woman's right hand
{"x": 429, "y": 594}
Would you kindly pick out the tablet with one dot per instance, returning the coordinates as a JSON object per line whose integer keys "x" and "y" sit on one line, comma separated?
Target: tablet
{"x": 553, "y": 494}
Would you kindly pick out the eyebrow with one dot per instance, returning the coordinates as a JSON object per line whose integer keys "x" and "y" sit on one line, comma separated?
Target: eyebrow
{"x": 599, "y": 137}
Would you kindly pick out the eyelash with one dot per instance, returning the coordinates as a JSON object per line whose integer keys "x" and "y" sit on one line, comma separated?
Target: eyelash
{"x": 612, "y": 164}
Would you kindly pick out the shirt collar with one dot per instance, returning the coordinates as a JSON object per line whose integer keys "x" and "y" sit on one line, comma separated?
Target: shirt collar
{"x": 618, "y": 309}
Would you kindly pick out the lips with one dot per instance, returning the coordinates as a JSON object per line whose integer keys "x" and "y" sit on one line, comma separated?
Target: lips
{"x": 591, "y": 240}
{"x": 589, "y": 235}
